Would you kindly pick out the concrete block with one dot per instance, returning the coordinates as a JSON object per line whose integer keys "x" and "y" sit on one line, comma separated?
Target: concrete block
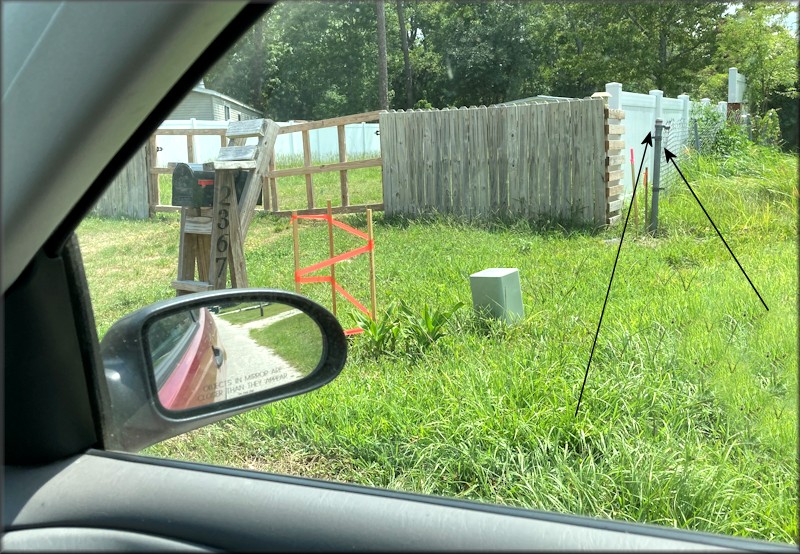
{"x": 498, "y": 291}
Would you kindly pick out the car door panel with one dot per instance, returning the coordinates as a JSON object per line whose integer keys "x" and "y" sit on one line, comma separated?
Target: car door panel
{"x": 243, "y": 510}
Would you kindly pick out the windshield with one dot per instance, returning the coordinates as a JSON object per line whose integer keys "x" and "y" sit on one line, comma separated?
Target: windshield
{"x": 564, "y": 244}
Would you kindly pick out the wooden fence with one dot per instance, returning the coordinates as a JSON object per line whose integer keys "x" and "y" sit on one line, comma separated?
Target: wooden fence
{"x": 127, "y": 196}
{"x": 270, "y": 188}
{"x": 534, "y": 160}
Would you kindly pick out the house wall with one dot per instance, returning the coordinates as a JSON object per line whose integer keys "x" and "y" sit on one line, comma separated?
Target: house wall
{"x": 236, "y": 110}
{"x": 195, "y": 104}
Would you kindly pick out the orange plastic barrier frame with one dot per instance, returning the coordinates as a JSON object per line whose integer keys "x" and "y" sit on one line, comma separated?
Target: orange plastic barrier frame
{"x": 301, "y": 274}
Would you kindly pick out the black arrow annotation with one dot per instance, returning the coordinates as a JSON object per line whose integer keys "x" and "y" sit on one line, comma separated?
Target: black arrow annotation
{"x": 671, "y": 158}
{"x": 648, "y": 141}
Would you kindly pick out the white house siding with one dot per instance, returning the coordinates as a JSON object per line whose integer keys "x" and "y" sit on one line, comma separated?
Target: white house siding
{"x": 236, "y": 110}
{"x": 195, "y": 104}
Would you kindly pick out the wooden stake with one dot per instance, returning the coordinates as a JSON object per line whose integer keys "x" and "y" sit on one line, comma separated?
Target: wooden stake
{"x": 372, "y": 293}
{"x": 332, "y": 251}
{"x": 296, "y": 240}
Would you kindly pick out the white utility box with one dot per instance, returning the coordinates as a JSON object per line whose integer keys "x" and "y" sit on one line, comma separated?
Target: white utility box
{"x": 497, "y": 290}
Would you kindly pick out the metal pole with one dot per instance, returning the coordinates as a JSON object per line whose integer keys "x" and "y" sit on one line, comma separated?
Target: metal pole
{"x": 653, "y": 227}
{"x": 696, "y": 136}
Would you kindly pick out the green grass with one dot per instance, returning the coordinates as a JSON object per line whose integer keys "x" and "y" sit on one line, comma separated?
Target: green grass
{"x": 296, "y": 339}
{"x": 247, "y": 316}
{"x": 364, "y": 185}
{"x": 689, "y": 418}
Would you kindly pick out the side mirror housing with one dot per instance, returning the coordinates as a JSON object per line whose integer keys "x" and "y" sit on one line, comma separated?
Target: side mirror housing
{"x": 183, "y": 363}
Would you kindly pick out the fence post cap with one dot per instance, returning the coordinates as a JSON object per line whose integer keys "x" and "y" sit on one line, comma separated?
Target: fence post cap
{"x": 604, "y": 95}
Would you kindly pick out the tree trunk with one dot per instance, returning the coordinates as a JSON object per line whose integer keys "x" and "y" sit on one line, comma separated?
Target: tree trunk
{"x": 383, "y": 72}
{"x": 401, "y": 17}
{"x": 258, "y": 84}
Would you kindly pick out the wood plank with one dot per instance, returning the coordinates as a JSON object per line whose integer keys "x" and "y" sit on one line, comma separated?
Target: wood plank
{"x": 459, "y": 148}
{"x": 252, "y": 186}
{"x": 553, "y": 124}
{"x": 228, "y": 166}
{"x": 522, "y": 205}
{"x": 428, "y": 126}
{"x": 614, "y": 129}
{"x": 597, "y": 113}
{"x": 542, "y": 161}
{"x": 235, "y": 153}
{"x": 616, "y": 114}
{"x": 616, "y": 190}
{"x": 614, "y": 145}
{"x": 331, "y": 122}
{"x": 442, "y": 168}
{"x": 343, "y": 187}
{"x": 162, "y": 208}
{"x": 335, "y": 210}
{"x": 236, "y": 259}
{"x": 307, "y": 164}
{"x": 403, "y": 190}
{"x": 492, "y": 144}
{"x": 451, "y": 146}
{"x": 273, "y": 185}
{"x": 413, "y": 139}
{"x": 531, "y": 163}
{"x": 203, "y": 256}
{"x": 247, "y": 128}
{"x": 197, "y": 225}
{"x": 152, "y": 178}
{"x": 502, "y": 160}
{"x": 580, "y": 196}
{"x": 190, "y": 131}
{"x": 580, "y": 164}
{"x": 435, "y": 189}
{"x": 512, "y": 141}
{"x": 314, "y": 169}
{"x": 190, "y": 148}
{"x": 185, "y": 255}
{"x": 612, "y": 176}
{"x": 388, "y": 156}
{"x": 483, "y": 207}
{"x": 614, "y": 206}
{"x": 613, "y": 219}
{"x": 224, "y": 194}
{"x": 191, "y": 286}
{"x": 617, "y": 159}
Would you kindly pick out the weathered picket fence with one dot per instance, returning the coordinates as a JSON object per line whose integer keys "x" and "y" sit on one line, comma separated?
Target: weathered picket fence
{"x": 541, "y": 160}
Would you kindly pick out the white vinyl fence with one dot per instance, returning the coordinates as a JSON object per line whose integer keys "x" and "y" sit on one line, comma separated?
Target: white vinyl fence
{"x": 641, "y": 112}
{"x": 362, "y": 140}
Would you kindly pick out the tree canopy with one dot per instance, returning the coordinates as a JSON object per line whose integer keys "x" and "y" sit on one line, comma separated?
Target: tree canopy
{"x": 312, "y": 60}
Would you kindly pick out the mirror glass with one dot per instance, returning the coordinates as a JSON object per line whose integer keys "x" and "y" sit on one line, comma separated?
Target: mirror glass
{"x": 218, "y": 352}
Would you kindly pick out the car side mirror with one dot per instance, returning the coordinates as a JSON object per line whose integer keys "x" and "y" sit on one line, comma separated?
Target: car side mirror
{"x": 183, "y": 363}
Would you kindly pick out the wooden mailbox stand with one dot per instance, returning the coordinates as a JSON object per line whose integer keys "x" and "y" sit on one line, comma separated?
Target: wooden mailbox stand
{"x": 212, "y": 239}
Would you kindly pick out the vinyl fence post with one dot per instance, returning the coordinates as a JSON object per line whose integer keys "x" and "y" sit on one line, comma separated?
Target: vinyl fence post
{"x": 653, "y": 227}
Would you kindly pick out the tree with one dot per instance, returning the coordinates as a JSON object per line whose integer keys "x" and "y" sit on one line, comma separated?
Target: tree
{"x": 383, "y": 72}
{"x": 409, "y": 86}
{"x": 755, "y": 41}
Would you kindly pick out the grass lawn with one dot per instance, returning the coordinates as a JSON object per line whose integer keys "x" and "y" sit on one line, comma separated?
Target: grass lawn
{"x": 296, "y": 339}
{"x": 689, "y": 418}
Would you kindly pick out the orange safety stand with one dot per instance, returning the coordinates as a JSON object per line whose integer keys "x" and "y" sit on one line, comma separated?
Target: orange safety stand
{"x": 300, "y": 274}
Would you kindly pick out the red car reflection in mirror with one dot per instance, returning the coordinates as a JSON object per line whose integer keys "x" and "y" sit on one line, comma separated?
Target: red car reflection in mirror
{"x": 188, "y": 360}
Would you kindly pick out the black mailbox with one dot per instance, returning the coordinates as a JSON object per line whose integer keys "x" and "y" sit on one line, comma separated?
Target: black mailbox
{"x": 194, "y": 188}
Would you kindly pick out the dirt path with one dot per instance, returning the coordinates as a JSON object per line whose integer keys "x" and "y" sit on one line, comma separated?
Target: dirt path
{"x": 250, "y": 366}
